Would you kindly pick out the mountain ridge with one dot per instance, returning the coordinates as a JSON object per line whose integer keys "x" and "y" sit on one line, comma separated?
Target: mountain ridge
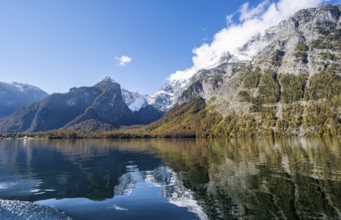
{"x": 15, "y": 95}
{"x": 100, "y": 107}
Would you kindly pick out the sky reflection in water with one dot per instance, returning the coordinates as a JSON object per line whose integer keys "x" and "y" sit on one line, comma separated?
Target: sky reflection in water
{"x": 182, "y": 179}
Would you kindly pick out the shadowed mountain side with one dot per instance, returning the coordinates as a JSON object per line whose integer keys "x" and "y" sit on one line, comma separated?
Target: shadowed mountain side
{"x": 100, "y": 107}
{"x": 15, "y": 95}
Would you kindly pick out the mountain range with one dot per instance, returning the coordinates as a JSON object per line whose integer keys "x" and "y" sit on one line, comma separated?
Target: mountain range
{"x": 285, "y": 82}
{"x": 100, "y": 107}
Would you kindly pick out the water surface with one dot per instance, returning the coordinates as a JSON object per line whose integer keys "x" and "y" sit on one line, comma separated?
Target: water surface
{"x": 170, "y": 179}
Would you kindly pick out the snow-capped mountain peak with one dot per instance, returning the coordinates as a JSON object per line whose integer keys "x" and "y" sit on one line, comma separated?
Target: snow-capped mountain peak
{"x": 163, "y": 98}
{"x": 134, "y": 100}
{"x": 169, "y": 94}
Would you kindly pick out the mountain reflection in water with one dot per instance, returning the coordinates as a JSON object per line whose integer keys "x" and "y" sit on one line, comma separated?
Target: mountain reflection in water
{"x": 217, "y": 179}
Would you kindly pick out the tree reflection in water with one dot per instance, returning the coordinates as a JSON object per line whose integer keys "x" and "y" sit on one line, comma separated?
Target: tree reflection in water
{"x": 236, "y": 178}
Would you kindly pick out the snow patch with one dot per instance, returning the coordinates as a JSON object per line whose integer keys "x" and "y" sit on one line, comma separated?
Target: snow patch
{"x": 19, "y": 86}
{"x": 134, "y": 100}
{"x": 23, "y": 87}
{"x": 137, "y": 104}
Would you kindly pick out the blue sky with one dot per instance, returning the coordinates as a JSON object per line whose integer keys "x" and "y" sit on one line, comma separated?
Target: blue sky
{"x": 57, "y": 45}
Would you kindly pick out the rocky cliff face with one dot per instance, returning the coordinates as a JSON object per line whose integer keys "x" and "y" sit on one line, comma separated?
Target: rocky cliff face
{"x": 307, "y": 43}
{"x": 304, "y": 44}
{"x": 291, "y": 86}
{"x": 15, "y": 95}
{"x": 100, "y": 107}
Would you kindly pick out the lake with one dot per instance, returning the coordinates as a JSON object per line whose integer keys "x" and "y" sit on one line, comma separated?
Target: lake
{"x": 170, "y": 179}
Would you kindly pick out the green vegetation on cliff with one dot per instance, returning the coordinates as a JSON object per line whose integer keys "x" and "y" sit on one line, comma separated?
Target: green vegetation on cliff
{"x": 293, "y": 87}
{"x": 301, "y": 52}
{"x": 269, "y": 91}
{"x": 324, "y": 85}
{"x": 287, "y": 105}
{"x": 251, "y": 80}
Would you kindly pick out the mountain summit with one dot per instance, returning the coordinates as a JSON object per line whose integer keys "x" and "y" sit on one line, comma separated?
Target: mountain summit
{"x": 107, "y": 82}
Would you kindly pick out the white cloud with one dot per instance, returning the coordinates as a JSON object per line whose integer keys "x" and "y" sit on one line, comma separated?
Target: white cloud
{"x": 123, "y": 60}
{"x": 246, "y": 13}
{"x": 251, "y": 21}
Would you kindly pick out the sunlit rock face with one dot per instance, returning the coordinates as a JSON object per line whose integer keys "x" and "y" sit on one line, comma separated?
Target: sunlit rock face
{"x": 294, "y": 46}
{"x": 289, "y": 85}
{"x": 305, "y": 44}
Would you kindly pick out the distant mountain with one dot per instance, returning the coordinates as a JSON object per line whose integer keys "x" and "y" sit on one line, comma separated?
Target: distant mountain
{"x": 15, "y": 95}
{"x": 100, "y": 107}
{"x": 134, "y": 100}
{"x": 163, "y": 99}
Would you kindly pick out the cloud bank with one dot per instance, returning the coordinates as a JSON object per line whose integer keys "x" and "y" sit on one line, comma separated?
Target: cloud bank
{"x": 250, "y": 22}
{"x": 123, "y": 60}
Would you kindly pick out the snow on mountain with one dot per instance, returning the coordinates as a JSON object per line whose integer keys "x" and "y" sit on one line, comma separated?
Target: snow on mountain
{"x": 180, "y": 81}
{"x": 23, "y": 87}
{"x": 15, "y": 95}
{"x": 237, "y": 43}
{"x": 19, "y": 86}
{"x": 98, "y": 107}
{"x": 170, "y": 93}
{"x": 134, "y": 100}
{"x": 162, "y": 99}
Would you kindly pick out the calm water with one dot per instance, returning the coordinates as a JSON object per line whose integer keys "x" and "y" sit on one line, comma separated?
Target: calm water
{"x": 170, "y": 179}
